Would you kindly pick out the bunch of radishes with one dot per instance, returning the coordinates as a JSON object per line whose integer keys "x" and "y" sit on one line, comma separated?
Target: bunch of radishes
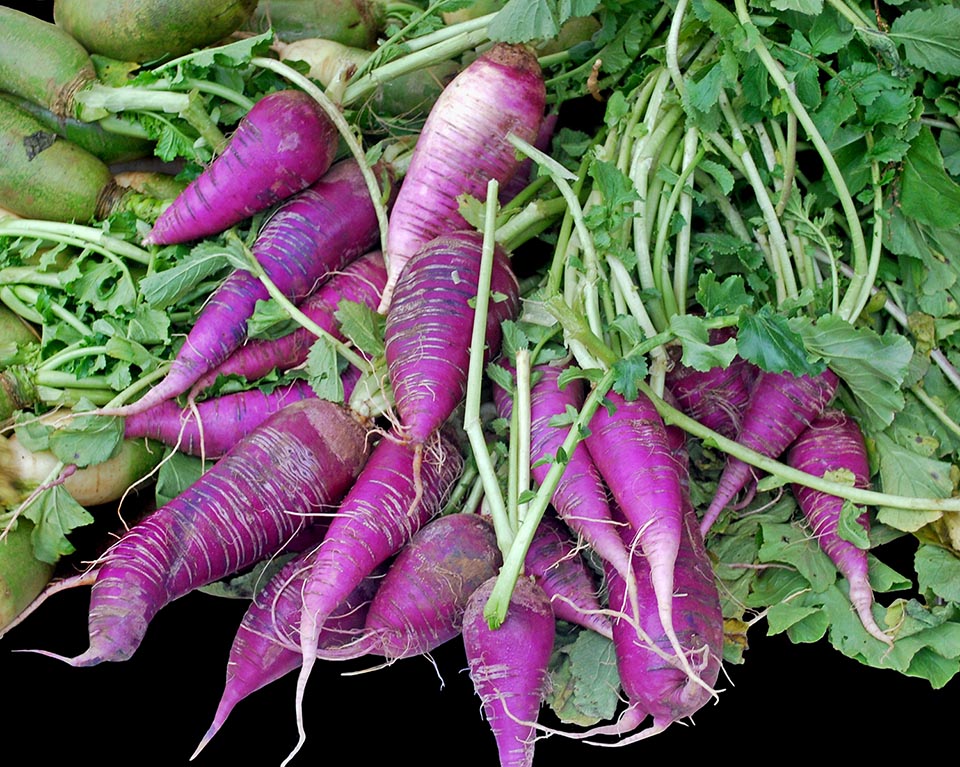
{"x": 351, "y": 477}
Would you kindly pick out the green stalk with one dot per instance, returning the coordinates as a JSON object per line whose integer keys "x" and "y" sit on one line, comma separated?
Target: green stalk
{"x": 521, "y": 406}
{"x": 859, "y": 285}
{"x": 472, "y": 424}
{"x": 785, "y": 280}
{"x": 142, "y": 383}
{"x": 536, "y": 217}
{"x": 29, "y": 297}
{"x": 74, "y": 234}
{"x": 444, "y": 50}
{"x": 495, "y": 609}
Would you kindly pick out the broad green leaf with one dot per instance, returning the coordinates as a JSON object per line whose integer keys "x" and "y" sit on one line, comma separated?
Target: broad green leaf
{"x": 55, "y": 514}
{"x": 87, "y": 440}
{"x": 786, "y": 615}
{"x": 629, "y": 372}
{"x": 362, "y": 325}
{"x": 873, "y": 366}
{"x": 938, "y": 570}
{"x": 520, "y": 21}
{"x": 698, "y": 352}
{"x": 726, "y": 297}
{"x": 791, "y": 545}
{"x": 585, "y": 680}
{"x": 849, "y": 526}
{"x": 767, "y": 340}
{"x": 177, "y": 472}
{"x": 269, "y": 320}
{"x": 927, "y": 193}
{"x": 809, "y": 7}
{"x": 167, "y": 287}
{"x": 322, "y": 371}
{"x": 829, "y": 33}
{"x": 930, "y": 38}
{"x": 904, "y": 472}
{"x": 719, "y": 173}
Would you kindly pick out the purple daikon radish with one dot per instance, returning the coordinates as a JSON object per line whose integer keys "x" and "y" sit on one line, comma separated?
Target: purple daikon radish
{"x": 280, "y": 147}
{"x": 462, "y": 146}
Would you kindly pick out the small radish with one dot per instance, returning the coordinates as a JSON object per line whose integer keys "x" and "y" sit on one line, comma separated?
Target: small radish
{"x": 629, "y": 445}
{"x": 560, "y": 570}
{"x": 651, "y": 680}
{"x": 281, "y": 146}
{"x": 360, "y": 281}
{"x": 580, "y": 498}
{"x": 508, "y": 665}
{"x": 311, "y": 235}
{"x": 386, "y": 505}
{"x": 833, "y": 442}
{"x": 715, "y": 397}
{"x": 266, "y": 646}
{"x": 210, "y": 428}
{"x": 781, "y": 406}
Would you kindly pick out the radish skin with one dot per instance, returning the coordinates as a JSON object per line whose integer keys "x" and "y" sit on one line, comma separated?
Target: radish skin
{"x": 281, "y": 146}
{"x": 780, "y": 408}
{"x": 411, "y": 609}
{"x": 833, "y": 442}
{"x": 716, "y": 397}
{"x": 580, "y": 498}
{"x": 653, "y": 684}
{"x": 462, "y": 146}
{"x": 556, "y": 564}
{"x": 246, "y": 507}
{"x": 210, "y": 428}
{"x": 422, "y": 598}
{"x": 429, "y": 321}
{"x": 508, "y": 665}
{"x": 266, "y": 646}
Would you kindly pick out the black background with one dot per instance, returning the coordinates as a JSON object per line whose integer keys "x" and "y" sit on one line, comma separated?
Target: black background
{"x": 158, "y": 704}
{"x": 155, "y": 707}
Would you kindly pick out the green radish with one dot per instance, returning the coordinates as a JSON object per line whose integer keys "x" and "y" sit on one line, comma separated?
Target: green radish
{"x": 42, "y": 63}
{"x": 152, "y": 183}
{"x": 356, "y": 23}
{"x": 48, "y": 177}
{"x": 14, "y": 330}
{"x": 22, "y": 575}
{"x": 145, "y": 30}
{"x": 108, "y": 145}
{"x": 23, "y": 470}
{"x": 17, "y": 392}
